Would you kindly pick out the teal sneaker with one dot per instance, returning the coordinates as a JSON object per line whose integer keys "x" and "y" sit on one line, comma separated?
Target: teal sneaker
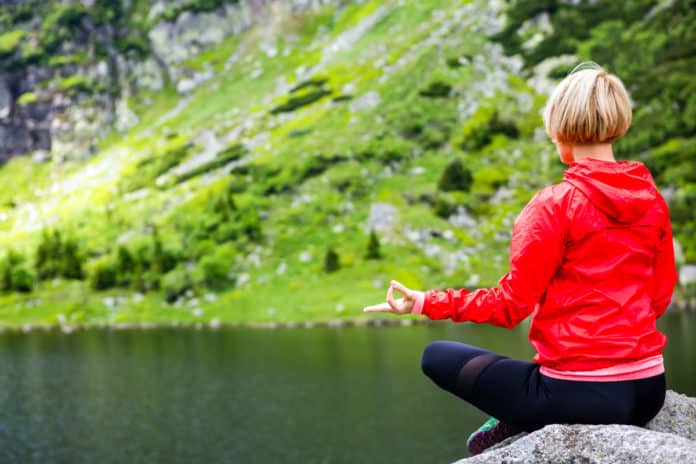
{"x": 490, "y": 433}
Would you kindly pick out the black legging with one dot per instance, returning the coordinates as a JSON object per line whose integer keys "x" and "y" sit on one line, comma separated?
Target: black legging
{"x": 516, "y": 393}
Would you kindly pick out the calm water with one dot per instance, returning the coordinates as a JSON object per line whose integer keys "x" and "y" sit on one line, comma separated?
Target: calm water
{"x": 287, "y": 396}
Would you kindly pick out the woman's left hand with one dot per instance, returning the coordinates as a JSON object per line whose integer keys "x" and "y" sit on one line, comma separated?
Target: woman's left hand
{"x": 401, "y": 306}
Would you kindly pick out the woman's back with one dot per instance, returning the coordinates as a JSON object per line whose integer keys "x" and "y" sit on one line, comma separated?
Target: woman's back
{"x": 616, "y": 272}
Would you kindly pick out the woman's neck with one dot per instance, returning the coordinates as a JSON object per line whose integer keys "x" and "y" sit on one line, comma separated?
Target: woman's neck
{"x": 600, "y": 151}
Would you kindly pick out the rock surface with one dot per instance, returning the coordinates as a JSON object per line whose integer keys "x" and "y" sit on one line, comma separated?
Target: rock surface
{"x": 669, "y": 437}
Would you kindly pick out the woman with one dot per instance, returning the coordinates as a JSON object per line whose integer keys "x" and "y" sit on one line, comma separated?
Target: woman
{"x": 592, "y": 261}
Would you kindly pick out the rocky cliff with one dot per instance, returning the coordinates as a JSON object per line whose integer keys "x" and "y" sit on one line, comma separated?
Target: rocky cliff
{"x": 67, "y": 71}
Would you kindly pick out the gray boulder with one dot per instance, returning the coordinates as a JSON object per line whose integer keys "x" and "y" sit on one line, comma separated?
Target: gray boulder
{"x": 669, "y": 437}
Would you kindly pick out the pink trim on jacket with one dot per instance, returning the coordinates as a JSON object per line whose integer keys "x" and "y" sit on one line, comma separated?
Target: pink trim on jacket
{"x": 641, "y": 369}
{"x": 418, "y": 305}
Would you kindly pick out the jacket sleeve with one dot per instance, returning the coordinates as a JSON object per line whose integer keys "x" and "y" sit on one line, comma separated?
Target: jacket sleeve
{"x": 536, "y": 252}
{"x": 665, "y": 274}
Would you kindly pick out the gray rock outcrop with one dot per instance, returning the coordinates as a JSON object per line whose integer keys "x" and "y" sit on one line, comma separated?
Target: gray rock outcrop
{"x": 669, "y": 438}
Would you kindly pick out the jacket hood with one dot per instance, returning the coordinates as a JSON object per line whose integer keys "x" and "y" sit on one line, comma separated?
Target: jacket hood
{"x": 622, "y": 190}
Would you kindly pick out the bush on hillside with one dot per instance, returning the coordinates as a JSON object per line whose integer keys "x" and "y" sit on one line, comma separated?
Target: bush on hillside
{"x": 176, "y": 283}
{"x": 331, "y": 261}
{"x": 103, "y": 273}
{"x": 488, "y": 179}
{"x": 386, "y": 148}
{"x": 425, "y": 122}
{"x": 58, "y": 257}
{"x": 22, "y": 279}
{"x": 15, "y": 274}
{"x": 212, "y": 272}
{"x": 443, "y": 208}
{"x": 436, "y": 89}
{"x": 486, "y": 122}
{"x": 151, "y": 167}
{"x": 373, "y": 247}
{"x": 222, "y": 158}
{"x": 292, "y": 176}
{"x": 126, "y": 266}
{"x": 455, "y": 177}
{"x": 301, "y": 98}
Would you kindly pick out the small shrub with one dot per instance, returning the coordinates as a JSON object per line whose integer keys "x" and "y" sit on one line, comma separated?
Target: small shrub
{"x": 72, "y": 261}
{"x": 227, "y": 155}
{"x": 103, "y": 273}
{"x": 316, "y": 81}
{"x": 14, "y": 273}
{"x": 58, "y": 257}
{"x": 489, "y": 178}
{"x": 212, "y": 271}
{"x": 456, "y": 61}
{"x": 443, "y": 208}
{"x": 150, "y": 168}
{"x": 478, "y": 131}
{"x": 175, "y": 283}
{"x": 342, "y": 98}
{"x": 147, "y": 281}
{"x": 48, "y": 254}
{"x": 126, "y": 266}
{"x": 251, "y": 223}
{"x": 373, "y": 246}
{"x": 455, "y": 177}
{"x": 434, "y": 136}
{"x": 503, "y": 126}
{"x": 436, "y": 89}
{"x": 301, "y": 98}
{"x": 22, "y": 279}
{"x": 331, "y": 261}
{"x": 387, "y": 148}
{"x": 163, "y": 260}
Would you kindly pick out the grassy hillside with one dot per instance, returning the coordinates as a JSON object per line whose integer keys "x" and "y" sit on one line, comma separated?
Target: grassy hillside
{"x": 232, "y": 204}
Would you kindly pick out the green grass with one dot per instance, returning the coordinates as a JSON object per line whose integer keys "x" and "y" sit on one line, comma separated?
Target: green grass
{"x": 304, "y": 206}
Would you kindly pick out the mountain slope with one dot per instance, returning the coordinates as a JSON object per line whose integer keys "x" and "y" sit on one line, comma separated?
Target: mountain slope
{"x": 296, "y": 136}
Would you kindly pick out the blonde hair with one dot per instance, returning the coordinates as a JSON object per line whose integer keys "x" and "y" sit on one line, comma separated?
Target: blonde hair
{"x": 588, "y": 106}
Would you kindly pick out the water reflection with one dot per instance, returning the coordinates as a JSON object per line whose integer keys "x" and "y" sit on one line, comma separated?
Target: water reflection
{"x": 320, "y": 395}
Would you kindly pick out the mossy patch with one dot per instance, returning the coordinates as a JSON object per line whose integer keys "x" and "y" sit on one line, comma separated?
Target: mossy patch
{"x": 9, "y": 42}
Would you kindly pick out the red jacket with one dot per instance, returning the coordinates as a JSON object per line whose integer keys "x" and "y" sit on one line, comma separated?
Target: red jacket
{"x": 592, "y": 260}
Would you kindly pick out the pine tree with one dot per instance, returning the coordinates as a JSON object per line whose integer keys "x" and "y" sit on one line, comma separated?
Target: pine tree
{"x": 125, "y": 265}
{"x": 331, "y": 261}
{"x": 455, "y": 177}
{"x": 72, "y": 261}
{"x": 373, "y": 247}
{"x": 49, "y": 255}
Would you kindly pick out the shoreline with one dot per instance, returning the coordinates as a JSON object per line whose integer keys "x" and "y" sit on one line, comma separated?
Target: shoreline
{"x": 215, "y": 325}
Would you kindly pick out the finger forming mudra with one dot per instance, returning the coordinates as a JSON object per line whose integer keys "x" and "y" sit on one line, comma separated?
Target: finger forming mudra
{"x": 401, "y": 306}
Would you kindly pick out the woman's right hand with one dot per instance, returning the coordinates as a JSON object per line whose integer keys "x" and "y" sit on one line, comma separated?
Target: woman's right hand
{"x": 401, "y": 306}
